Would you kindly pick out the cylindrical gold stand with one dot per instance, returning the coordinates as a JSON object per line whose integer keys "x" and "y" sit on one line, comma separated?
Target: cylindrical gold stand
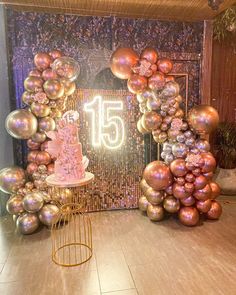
{"x": 72, "y": 234}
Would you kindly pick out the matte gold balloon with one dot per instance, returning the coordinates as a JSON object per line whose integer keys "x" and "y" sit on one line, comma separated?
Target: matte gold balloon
{"x": 203, "y": 194}
{"x": 35, "y": 73}
{"x": 155, "y": 213}
{"x": 55, "y": 54}
{"x": 164, "y": 65}
{"x": 33, "y": 84}
{"x": 171, "y": 204}
{"x": 156, "y": 81}
{"x": 143, "y": 185}
{"x": 31, "y": 168}
{"x": 11, "y": 179}
{"x": 54, "y": 89}
{"x": 154, "y": 197}
{"x": 188, "y": 216}
{"x": 69, "y": 87}
{"x": 21, "y": 124}
{"x": 215, "y": 210}
{"x": 204, "y": 206}
{"x": 49, "y": 74}
{"x": 122, "y": 61}
{"x": 33, "y": 202}
{"x": 178, "y": 167}
{"x": 31, "y": 157}
{"x": 151, "y": 121}
{"x": 27, "y": 223}
{"x": 215, "y": 190}
{"x": 140, "y": 127}
{"x": 42, "y": 61}
{"x": 203, "y": 119}
{"x": 200, "y": 182}
{"x": 171, "y": 89}
{"x": 15, "y": 205}
{"x": 188, "y": 201}
{"x": 143, "y": 203}
{"x": 46, "y": 124}
{"x": 39, "y": 137}
{"x": 209, "y": 162}
{"x": 179, "y": 191}
{"x": 157, "y": 174}
{"x": 137, "y": 83}
{"x": 49, "y": 214}
{"x": 150, "y": 54}
{"x": 32, "y": 145}
{"x": 27, "y": 98}
{"x": 40, "y": 110}
{"x": 42, "y": 158}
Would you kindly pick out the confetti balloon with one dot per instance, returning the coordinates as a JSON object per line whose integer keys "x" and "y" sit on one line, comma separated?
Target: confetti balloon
{"x": 189, "y": 216}
{"x": 11, "y": 179}
{"x": 15, "y": 205}
{"x": 21, "y": 124}
{"x": 155, "y": 213}
{"x": 215, "y": 210}
{"x": 49, "y": 214}
{"x": 33, "y": 202}
{"x": 27, "y": 223}
{"x": 143, "y": 203}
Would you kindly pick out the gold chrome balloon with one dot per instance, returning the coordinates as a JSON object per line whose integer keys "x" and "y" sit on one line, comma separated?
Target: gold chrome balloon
{"x": 42, "y": 61}
{"x": 151, "y": 120}
{"x": 42, "y": 158}
{"x": 155, "y": 213}
{"x": 49, "y": 214}
{"x": 46, "y": 124}
{"x": 33, "y": 202}
{"x": 143, "y": 185}
{"x": 21, "y": 124}
{"x": 27, "y": 98}
{"x": 39, "y": 137}
{"x": 49, "y": 74}
{"x": 143, "y": 203}
{"x": 11, "y": 179}
{"x": 69, "y": 86}
{"x": 63, "y": 197}
{"x": 33, "y": 84}
{"x": 40, "y": 110}
{"x": 171, "y": 204}
{"x": 137, "y": 83}
{"x": 15, "y": 205}
{"x": 55, "y": 54}
{"x": 27, "y": 223}
{"x": 150, "y": 54}
{"x": 54, "y": 89}
{"x": 203, "y": 206}
{"x": 154, "y": 197}
{"x": 178, "y": 167}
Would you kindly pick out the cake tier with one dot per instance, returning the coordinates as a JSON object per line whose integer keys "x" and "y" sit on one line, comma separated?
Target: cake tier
{"x": 68, "y": 171}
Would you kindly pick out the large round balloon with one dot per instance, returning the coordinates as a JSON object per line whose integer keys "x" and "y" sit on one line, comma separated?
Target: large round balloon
{"x": 11, "y": 179}
{"x": 157, "y": 174}
{"x": 27, "y": 223}
{"x": 21, "y": 124}
{"x": 155, "y": 213}
{"x": 15, "y": 205}
{"x": 215, "y": 210}
{"x": 203, "y": 119}
{"x": 122, "y": 61}
{"x": 189, "y": 216}
{"x": 33, "y": 202}
{"x": 143, "y": 203}
{"x": 66, "y": 67}
{"x": 137, "y": 83}
{"x": 49, "y": 214}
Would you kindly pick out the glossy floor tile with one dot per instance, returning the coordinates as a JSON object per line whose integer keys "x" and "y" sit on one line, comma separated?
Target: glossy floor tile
{"x": 132, "y": 256}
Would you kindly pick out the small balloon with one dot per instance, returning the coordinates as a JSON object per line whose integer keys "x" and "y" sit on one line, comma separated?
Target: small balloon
{"x": 215, "y": 190}
{"x": 215, "y": 210}
{"x": 40, "y": 110}
{"x": 203, "y": 145}
{"x": 156, "y": 81}
{"x": 27, "y": 223}
{"x": 171, "y": 204}
{"x": 33, "y": 84}
{"x": 164, "y": 65}
{"x": 151, "y": 121}
{"x": 179, "y": 150}
{"x": 204, "y": 206}
{"x": 178, "y": 167}
{"x": 32, "y": 145}
{"x": 150, "y": 54}
{"x": 154, "y": 197}
{"x": 143, "y": 203}
{"x": 188, "y": 216}
{"x": 69, "y": 87}
{"x": 209, "y": 162}
{"x": 200, "y": 182}
{"x": 143, "y": 185}
{"x": 46, "y": 124}
{"x": 31, "y": 168}
{"x": 55, "y": 54}
{"x": 203, "y": 194}
{"x": 54, "y": 89}
{"x": 188, "y": 201}
{"x": 155, "y": 213}
{"x": 42, "y": 61}
{"x": 43, "y": 158}
{"x": 39, "y": 137}
{"x": 179, "y": 191}
{"x": 49, "y": 74}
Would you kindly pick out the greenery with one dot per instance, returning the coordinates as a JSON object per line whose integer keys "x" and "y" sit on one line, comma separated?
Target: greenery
{"x": 225, "y": 145}
{"x": 225, "y": 24}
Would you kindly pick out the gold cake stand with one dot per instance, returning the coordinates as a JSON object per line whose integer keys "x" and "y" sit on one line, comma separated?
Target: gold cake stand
{"x": 71, "y": 235}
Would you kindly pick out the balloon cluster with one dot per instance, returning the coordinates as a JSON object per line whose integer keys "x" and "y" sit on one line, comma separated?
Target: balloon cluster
{"x": 182, "y": 183}
{"x": 47, "y": 89}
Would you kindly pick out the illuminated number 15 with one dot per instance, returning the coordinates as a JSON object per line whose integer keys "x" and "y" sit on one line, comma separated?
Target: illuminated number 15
{"x": 107, "y": 127}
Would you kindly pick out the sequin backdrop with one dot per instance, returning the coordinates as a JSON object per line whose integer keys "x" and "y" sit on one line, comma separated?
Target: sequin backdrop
{"x": 91, "y": 40}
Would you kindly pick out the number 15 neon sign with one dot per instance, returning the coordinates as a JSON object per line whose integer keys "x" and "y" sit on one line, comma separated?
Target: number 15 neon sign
{"x": 107, "y": 127}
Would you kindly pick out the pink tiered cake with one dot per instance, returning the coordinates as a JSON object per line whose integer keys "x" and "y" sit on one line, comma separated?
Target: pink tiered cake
{"x": 70, "y": 164}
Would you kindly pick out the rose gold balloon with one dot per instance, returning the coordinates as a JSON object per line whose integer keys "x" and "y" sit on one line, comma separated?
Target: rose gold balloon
{"x": 190, "y": 166}
{"x": 200, "y": 182}
{"x": 169, "y": 78}
{"x": 151, "y": 121}
{"x": 35, "y": 73}
{"x": 143, "y": 185}
{"x": 50, "y": 168}
{"x": 155, "y": 213}
{"x": 172, "y": 134}
{"x": 189, "y": 201}
{"x": 31, "y": 168}
{"x": 157, "y": 174}
{"x": 137, "y": 83}
{"x": 164, "y": 65}
{"x": 189, "y": 187}
{"x": 40, "y": 110}
{"x": 204, "y": 206}
{"x": 180, "y": 180}
{"x": 27, "y": 98}
{"x": 54, "y": 89}
{"x": 32, "y": 145}
{"x": 179, "y": 191}
{"x": 196, "y": 171}
{"x": 179, "y": 113}
{"x": 215, "y": 190}
{"x": 49, "y": 74}
{"x": 46, "y": 124}
{"x": 122, "y": 61}
{"x": 171, "y": 204}
{"x": 42, "y": 158}
{"x": 169, "y": 190}
{"x": 140, "y": 127}
{"x": 42, "y": 61}
{"x": 203, "y": 145}
{"x": 203, "y": 119}
{"x": 209, "y": 162}
{"x": 189, "y": 177}
{"x": 150, "y": 54}
{"x": 32, "y": 156}
{"x": 188, "y": 216}
{"x": 39, "y": 137}
{"x": 69, "y": 87}
{"x": 55, "y": 54}
{"x": 143, "y": 203}
{"x": 208, "y": 175}
{"x": 178, "y": 167}
{"x": 154, "y": 197}
{"x": 203, "y": 194}
{"x": 215, "y": 210}
{"x": 156, "y": 81}
{"x": 33, "y": 84}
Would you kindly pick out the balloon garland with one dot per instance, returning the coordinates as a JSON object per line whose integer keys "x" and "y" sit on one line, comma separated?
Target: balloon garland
{"x": 182, "y": 182}
{"x": 47, "y": 89}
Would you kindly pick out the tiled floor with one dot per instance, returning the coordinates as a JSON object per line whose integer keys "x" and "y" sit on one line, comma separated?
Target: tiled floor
{"x": 131, "y": 256}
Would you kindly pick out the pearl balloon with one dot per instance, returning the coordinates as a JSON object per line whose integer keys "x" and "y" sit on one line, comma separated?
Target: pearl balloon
{"x": 155, "y": 213}
{"x": 33, "y": 202}
{"x": 143, "y": 203}
{"x": 189, "y": 216}
{"x": 15, "y": 205}
{"x": 49, "y": 214}
{"x": 11, "y": 179}
{"x": 27, "y": 223}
